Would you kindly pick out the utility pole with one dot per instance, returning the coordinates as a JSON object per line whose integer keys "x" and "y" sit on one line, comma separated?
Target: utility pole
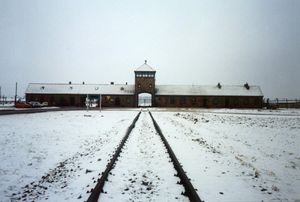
{"x": 0, "y": 94}
{"x": 100, "y": 102}
{"x": 16, "y": 93}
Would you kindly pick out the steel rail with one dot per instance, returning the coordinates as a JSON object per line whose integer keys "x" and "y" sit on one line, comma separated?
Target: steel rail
{"x": 190, "y": 191}
{"x": 95, "y": 193}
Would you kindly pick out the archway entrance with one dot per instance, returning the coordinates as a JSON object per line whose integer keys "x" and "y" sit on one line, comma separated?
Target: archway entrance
{"x": 144, "y": 100}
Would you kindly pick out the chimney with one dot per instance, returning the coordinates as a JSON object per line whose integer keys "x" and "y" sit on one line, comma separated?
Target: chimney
{"x": 246, "y": 85}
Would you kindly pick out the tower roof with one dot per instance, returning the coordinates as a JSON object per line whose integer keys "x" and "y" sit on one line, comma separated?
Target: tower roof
{"x": 145, "y": 68}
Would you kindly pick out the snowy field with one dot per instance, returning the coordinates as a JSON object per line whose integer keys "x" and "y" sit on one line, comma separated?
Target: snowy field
{"x": 237, "y": 155}
{"x": 7, "y": 106}
{"x": 56, "y": 155}
{"x": 13, "y": 108}
{"x": 230, "y": 155}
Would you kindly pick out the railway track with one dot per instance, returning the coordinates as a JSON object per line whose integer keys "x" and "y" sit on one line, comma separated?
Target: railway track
{"x": 152, "y": 168}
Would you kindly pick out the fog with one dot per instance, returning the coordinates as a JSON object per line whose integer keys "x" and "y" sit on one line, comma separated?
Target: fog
{"x": 187, "y": 42}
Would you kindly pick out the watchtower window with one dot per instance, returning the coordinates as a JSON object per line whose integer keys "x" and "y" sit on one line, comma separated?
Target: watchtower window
{"x": 145, "y": 74}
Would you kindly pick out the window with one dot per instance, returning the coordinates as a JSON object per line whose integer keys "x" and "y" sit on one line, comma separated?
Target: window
{"x": 107, "y": 98}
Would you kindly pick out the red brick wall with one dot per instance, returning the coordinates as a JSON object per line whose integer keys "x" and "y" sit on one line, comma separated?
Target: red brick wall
{"x": 79, "y": 100}
{"x": 208, "y": 101}
{"x": 159, "y": 101}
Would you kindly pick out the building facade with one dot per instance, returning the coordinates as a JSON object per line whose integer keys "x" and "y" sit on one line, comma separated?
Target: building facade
{"x": 144, "y": 91}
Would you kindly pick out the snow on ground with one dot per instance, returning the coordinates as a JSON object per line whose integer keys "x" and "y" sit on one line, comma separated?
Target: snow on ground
{"x": 7, "y": 106}
{"x": 237, "y": 155}
{"x": 230, "y": 155}
{"x": 144, "y": 171}
{"x": 57, "y": 155}
{"x": 280, "y": 111}
{"x": 13, "y": 108}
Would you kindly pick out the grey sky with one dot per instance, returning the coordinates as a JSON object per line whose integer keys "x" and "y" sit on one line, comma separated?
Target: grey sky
{"x": 187, "y": 42}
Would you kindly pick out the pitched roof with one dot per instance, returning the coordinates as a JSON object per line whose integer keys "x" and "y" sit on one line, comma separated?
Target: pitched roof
{"x": 83, "y": 89}
{"x": 145, "y": 68}
{"x": 122, "y": 89}
{"x": 226, "y": 90}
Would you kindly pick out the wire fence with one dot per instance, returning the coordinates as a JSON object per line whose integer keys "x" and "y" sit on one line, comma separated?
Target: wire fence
{"x": 282, "y": 103}
{"x": 4, "y": 100}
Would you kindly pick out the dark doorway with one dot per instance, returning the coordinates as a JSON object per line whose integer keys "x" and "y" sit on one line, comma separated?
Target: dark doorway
{"x": 72, "y": 101}
{"x": 52, "y": 102}
{"x": 117, "y": 101}
{"x": 205, "y": 102}
{"x": 62, "y": 101}
{"x": 226, "y": 102}
{"x": 82, "y": 101}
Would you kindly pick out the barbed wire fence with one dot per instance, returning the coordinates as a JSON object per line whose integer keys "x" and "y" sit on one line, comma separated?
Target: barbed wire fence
{"x": 282, "y": 103}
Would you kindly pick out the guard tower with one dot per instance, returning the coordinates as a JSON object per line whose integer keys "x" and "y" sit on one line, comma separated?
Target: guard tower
{"x": 144, "y": 82}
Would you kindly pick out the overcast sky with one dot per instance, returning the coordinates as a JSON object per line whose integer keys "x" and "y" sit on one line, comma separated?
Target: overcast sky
{"x": 187, "y": 42}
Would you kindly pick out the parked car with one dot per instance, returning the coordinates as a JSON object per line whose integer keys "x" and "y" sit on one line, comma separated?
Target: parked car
{"x": 35, "y": 104}
{"x": 45, "y": 104}
{"x": 23, "y": 105}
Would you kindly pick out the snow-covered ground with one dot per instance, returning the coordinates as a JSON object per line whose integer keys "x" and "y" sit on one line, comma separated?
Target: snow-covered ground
{"x": 230, "y": 155}
{"x": 7, "y": 106}
{"x": 144, "y": 171}
{"x": 238, "y": 156}
{"x": 56, "y": 155}
{"x": 12, "y": 108}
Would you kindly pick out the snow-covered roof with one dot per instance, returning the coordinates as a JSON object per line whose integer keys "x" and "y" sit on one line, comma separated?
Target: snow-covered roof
{"x": 122, "y": 89}
{"x": 145, "y": 68}
{"x": 226, "y": 90}
{"x": 48, "y": 88}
